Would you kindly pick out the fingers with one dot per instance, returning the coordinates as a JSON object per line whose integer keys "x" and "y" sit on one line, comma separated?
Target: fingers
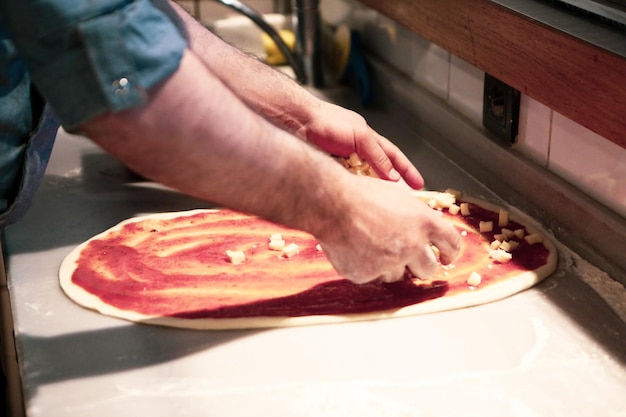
{"x": 393, "y": 275}
{"x": 448, "y": 241}
{"x": 402, "y": 164}
{"x": 353, "y": 134}
{"x": 389, "y": 162}
{"x": 425, "y": 264}
{"x": 378, "y": 159}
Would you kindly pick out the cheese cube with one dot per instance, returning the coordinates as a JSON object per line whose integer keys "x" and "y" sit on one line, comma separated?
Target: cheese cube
{"x": 500, "y": 236}
{"x": 456, "y": 193}
{"x": 503, "y": 218}
{"x": 236, "y": 257}
{"x": 519, "y": 233}
{"x": 454, "y": 209}
{"x": 291, "y": 250}
{"x": 509, "y": 246}
{"x": 362, "y": 171}
{"x": 485, "y": 227}
{"x": 445, "y": 200}
{"x": 500, "y": 255}
{"x": 508, "y": 233}
{"x": 533, "y": 238}
{"x": 441, "y": 201}
{"x": 474, "y": 279}
{"x": 465, "y": 210}
{"x": 276, "y": 244}
{"x": 354, "y": 160}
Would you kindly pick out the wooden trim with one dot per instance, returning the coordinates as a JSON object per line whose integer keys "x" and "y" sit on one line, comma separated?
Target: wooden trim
{"x": 580, "y": 81}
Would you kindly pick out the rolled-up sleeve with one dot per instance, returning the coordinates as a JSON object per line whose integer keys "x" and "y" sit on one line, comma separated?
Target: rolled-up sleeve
{"x": 88, "y": 57}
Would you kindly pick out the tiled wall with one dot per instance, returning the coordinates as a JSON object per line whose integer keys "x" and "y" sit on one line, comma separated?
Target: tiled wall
{"x": 590, "y": 162}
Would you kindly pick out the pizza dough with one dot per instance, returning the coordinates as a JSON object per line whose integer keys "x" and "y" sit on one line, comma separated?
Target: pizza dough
{"x": 172, "y": 269}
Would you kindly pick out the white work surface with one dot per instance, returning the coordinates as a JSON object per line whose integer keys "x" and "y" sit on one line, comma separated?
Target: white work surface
{"x": 555, "y": 350}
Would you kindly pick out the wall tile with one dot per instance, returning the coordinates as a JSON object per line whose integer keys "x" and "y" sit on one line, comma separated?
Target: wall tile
{"x": 587, "y": 160}
{"x": 350, "y": 12}
{"x": 429, "y": 66}
{"x": 424, "y": 62}
{"x": 389, "y": 41}
{"x": 534, "y": 130}
{"x": 466, "y": 89}
{"x": 335, "y": 12}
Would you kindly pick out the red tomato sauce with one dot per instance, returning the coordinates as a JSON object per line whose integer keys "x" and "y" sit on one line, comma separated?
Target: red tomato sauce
{"x": 179, "y": 268}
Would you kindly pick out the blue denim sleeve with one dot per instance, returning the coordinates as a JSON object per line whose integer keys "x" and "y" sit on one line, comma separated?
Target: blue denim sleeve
{"x": 88, "y": 57}
{"x": 27, "y": 132}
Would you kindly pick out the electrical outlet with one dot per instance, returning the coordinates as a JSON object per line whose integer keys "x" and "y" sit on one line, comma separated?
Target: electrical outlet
{"x": 500, "y": 109}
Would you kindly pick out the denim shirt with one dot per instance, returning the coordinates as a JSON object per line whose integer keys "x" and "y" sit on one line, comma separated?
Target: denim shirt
{"x": 65, "y": 62}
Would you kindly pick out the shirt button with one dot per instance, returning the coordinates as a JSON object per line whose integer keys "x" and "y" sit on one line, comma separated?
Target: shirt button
{"x": 121, "y": 86}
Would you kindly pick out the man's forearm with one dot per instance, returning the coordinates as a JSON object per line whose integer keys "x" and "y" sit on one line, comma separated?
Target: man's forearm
{"x": 196, "y": 136}
{"x": 261, "y": 87}
{"x": 286, "y": 104}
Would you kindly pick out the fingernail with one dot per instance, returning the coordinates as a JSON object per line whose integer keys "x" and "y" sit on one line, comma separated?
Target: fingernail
{"x": 394, "y": 175}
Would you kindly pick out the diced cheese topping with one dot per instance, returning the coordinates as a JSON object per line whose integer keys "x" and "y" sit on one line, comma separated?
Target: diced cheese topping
{"x": 508, "y": 233}
{"x": 456, "y": 193}
{"x": 354, "y": 160}
{"x": 474, "y": 279}
{"x": 533, "y": 238}
{"x": 277, "y": 245}
{"x": 441, "y": 201}
{"x": 495, "y": 244}
{"x": 236, "y": 257}
{"x": 291, "y": 250}
{"x": 500, "y": 255}
{"x": 485, "y": 227}
{"x": 503, "y": 218}
{"x": 358, "y": 166}
{"x": 519, "y": 233}
{"x": 465, "y": 211}
{"x": 500, "y": 237}
{"x": 509, "y": 245}
{"x": 454, "y": 209}
{"x": 445, "y": 200}
{"x": 276, "y": 242}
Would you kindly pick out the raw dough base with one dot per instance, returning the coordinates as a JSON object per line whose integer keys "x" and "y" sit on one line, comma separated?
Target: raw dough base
{"x": 479, "y": 296}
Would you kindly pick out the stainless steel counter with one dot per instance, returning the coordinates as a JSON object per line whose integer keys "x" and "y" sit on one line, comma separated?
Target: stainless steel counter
{"x": 558, "y": 349}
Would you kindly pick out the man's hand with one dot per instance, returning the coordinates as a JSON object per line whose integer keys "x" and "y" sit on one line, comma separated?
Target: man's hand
{"x": 386, "y": 230}
{"x": 341, "y": 132}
